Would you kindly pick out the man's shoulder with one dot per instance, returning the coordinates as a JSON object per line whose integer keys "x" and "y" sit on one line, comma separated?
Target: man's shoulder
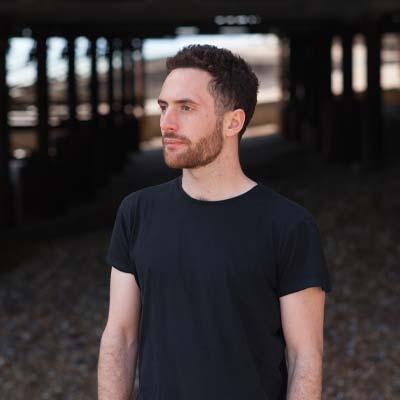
{"x": 284, "y": 209}
{"x": 147, "y": 193}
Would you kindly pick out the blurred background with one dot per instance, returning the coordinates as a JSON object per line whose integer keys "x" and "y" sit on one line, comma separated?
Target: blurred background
{"x": 79, "y": 130}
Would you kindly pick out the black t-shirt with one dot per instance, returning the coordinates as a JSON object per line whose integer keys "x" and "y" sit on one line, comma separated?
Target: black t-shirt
{"x": 210, "y": 275}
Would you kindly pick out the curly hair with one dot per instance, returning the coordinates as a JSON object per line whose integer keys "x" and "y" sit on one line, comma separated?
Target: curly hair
{"x": 233, "y": 84}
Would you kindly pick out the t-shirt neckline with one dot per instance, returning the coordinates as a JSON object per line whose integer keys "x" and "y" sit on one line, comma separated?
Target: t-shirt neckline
{"x": 241, "y": 196}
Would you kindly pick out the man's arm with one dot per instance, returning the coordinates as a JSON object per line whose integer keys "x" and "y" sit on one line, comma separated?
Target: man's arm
{"x": 302, "y": 315}
{"x": 119, "y": 341}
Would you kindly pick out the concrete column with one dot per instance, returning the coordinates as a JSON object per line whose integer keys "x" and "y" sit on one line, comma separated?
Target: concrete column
{"x": 6, "y": 202}
{"x": 42, "y": 95}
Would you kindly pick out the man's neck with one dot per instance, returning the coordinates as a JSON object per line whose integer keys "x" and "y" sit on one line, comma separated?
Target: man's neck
{"x": 215, "y": 187}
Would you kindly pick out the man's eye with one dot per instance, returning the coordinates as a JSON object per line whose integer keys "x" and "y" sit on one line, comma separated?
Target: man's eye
{"x": 186, "y": 108}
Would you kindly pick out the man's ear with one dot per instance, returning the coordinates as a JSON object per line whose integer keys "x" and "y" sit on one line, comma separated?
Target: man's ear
{"x": 235, "y": 121}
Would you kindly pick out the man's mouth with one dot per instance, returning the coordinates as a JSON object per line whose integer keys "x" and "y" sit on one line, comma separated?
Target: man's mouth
{"x": 172, "y": 142}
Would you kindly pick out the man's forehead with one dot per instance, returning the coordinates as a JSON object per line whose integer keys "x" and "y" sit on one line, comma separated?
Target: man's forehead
{"x": 189, "y": 72}
{"x": 186, "y": 83}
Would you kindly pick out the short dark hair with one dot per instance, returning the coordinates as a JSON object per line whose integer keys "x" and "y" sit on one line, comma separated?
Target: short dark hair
{"x": 233, "y": 84}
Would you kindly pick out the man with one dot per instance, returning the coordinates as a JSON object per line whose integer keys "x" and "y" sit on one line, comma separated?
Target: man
{"x": 213, "y": 275}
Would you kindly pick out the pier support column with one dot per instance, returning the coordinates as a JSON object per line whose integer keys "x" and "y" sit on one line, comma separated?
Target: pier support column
{"x": 347, "y": 66}
{"x": 123, "y": 77}
{"x": 72, "y": 96}
{"x": 140, "y": 73}
{"x": 110, "y": 77}
{"x": 42, "y": 96}
{"x": 310, "y": 132}
{"x": 290, "y": 112}
{"x": 372, "y": 140}
{"x": 349, "y": 138}
{"x": 6, "y": 202}
{"x": 326, "y": 133}
{"x": 94, "y": 82}
{"x": 131, "y": 70}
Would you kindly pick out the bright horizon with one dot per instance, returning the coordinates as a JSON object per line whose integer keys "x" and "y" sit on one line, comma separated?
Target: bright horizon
{"x": 21, "y": 73}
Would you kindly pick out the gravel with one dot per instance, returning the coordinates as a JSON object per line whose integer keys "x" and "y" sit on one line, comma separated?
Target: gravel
{"x": 54, "y": 292}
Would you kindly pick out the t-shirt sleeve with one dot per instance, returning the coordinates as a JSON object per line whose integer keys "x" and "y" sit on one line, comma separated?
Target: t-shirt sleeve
{"x": 118, "y": 253}
{"x": 302, "y": 263}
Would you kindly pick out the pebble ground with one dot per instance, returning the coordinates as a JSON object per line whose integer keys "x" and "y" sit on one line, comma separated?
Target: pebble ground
{"x": 54, "y": 292}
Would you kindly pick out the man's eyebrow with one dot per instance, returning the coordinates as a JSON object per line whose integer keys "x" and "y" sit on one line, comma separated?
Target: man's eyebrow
{"x": 180, "y": 101}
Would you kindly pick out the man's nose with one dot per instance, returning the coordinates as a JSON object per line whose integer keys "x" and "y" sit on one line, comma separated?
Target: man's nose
{"x": 168, "y": 121}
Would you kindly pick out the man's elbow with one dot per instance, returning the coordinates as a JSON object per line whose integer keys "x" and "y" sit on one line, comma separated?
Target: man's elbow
{"x": 309, "y": 359}
{"x": 113, "y": 334}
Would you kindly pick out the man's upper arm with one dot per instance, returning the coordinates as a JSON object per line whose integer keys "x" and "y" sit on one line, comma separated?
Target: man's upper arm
{"x": 302, "y": 315}
{"x": 125, "y": 305}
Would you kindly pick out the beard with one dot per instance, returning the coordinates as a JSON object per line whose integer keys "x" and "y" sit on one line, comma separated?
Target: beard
{"x": 197, "y": 154}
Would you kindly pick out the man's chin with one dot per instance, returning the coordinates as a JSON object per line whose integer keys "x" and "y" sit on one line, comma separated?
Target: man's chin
{"x": 174, "y": 166}
{"x": 177, "y": 164}
{"x": 171, "y": 163}
{"x": 172, "y": 159}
